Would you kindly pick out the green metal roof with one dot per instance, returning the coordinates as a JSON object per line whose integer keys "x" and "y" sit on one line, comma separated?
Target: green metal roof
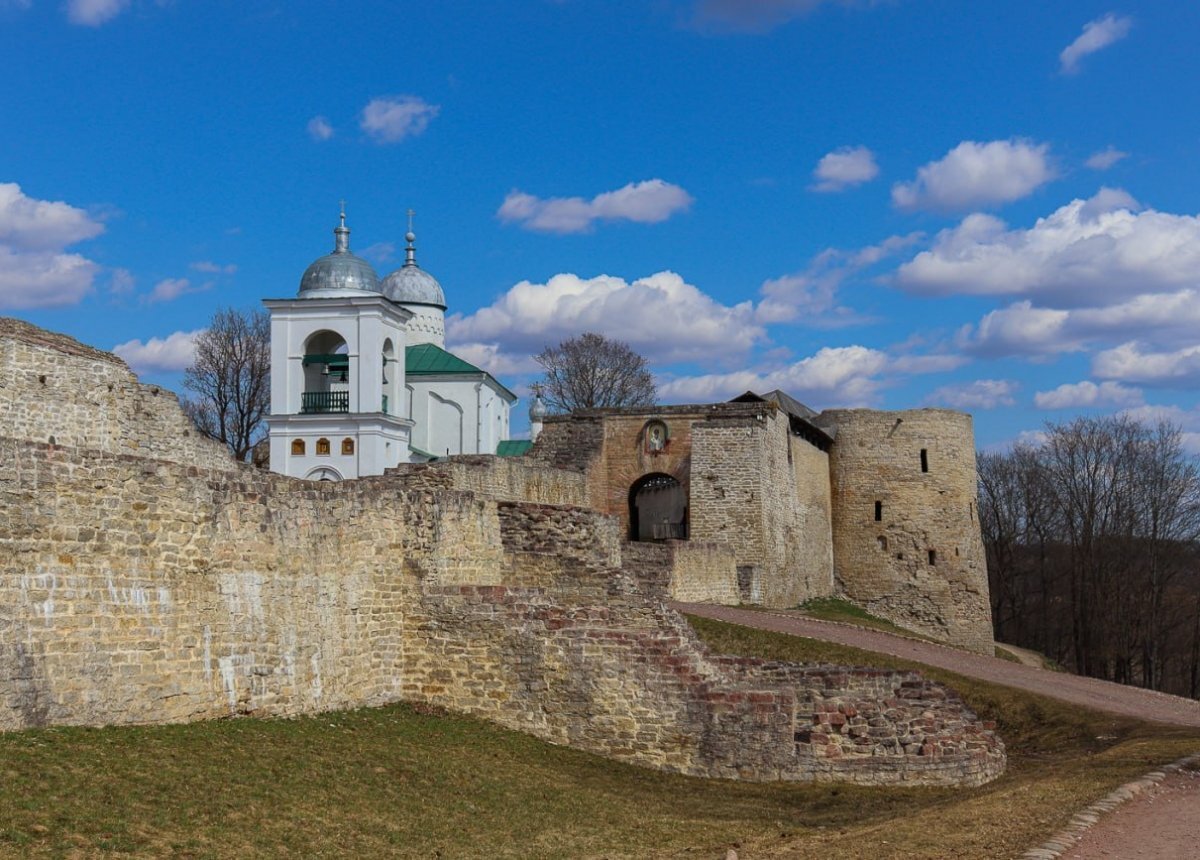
{"x": 513, "y": 448}
{"x": 425, "y": 359}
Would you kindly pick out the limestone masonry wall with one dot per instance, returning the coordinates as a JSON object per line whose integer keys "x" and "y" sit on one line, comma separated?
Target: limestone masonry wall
{"x": 58, "y": 391}
{"x": 919, "y": 561}
{"x": 141, "y": 590}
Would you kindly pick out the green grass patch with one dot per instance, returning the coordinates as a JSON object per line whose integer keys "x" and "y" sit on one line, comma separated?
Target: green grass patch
{"x": 1004, "y": 654}
{"x": 401, "y": 781}
{"x": 845, "y": 612}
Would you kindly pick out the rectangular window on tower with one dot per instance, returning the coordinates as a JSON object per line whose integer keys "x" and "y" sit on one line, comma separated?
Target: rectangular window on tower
{"x": 924, "y": 460}
{"x": 879, "y": 512}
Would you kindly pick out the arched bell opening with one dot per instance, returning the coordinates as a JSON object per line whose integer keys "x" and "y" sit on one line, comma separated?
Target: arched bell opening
{"x": 658, "y": 509}
{"x": 326, "y": 374}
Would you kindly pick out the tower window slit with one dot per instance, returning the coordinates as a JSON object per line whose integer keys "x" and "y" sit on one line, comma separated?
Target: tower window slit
{"x": 924, "y": 460}
{"x": 932, "y": 557}
{"x": 879, "y": 512}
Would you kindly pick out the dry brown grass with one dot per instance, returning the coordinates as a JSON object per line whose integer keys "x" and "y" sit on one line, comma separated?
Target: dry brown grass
{"x": 403, "y": 782}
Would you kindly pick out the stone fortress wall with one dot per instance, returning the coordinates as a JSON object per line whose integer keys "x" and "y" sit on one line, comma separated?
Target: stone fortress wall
{"x": 147, "y": 589}
{"x": 906, "y": 539}
{"x": 752, "y": 488}
{"x": 799, "y": 521}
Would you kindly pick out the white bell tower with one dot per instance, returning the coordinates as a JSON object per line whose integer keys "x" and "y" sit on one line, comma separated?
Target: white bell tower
{"x": 338, "y": 408}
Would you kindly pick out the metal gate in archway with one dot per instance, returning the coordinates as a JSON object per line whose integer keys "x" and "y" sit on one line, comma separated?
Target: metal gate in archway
{"x": 658, "y": 509}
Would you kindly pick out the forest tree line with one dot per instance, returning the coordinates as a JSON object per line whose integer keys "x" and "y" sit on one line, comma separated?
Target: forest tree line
{"x": 1093, "y": 547}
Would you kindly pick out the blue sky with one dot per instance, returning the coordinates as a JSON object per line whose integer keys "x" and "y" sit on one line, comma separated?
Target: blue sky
{"x": 986, "y": 205}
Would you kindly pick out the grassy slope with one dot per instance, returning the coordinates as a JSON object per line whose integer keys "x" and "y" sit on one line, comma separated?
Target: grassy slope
{"x": 400, "y": 782}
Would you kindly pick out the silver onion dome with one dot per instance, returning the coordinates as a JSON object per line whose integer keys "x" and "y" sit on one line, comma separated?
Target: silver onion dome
{"x": 537, "y": 409}
{"x": 412, "y": 285}
{"x": 340, "y": 270}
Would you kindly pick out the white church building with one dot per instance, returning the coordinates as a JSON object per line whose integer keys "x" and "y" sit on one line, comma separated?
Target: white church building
{"x": 360, "y": 377}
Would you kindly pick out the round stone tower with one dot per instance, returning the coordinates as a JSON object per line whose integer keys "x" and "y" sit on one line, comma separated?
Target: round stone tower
{"x": 906, "y": 538}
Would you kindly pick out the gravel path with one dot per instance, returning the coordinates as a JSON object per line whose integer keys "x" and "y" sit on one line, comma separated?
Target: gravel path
{"x": 1161, "y": 823}
{"x": 1089, "y": 692}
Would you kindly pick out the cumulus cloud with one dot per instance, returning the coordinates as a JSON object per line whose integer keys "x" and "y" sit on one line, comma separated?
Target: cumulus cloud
{"x": 977, "y": 174}
{"x": 979, "y": 394}
{"x": 1131, "y": 362}
{"x": 810, "y": 295}
{"x": 170, "y": 289}
{"x": 391, "y": 119}
{"x": 93, "y": 13}
{"x": 1075, "y": 395}
{"x": 834, "y": 376}
{"x": 645, "y": 202}
{"x": 844, "y": 168}
{"x": 211, "y": 268}
{"x": 749, "y": 16}
{"x": 41, "y": 225}
{"x": 1087, "y": 252}
{"x": 168, "y": 354}
{"x": 1019, "y": 329}
{"x": 660, "y": 316}
{"x": 1187, "y": 420}
{"x": 121, "y": 282}
{"x": 844, "y": 376}
{"x": 1096, "y": 34}
{"x": 491, "y": 358}
{"x": 1105, "y": 158}
{"x": 35, "y": 270}
{"x": 319, "y": 128}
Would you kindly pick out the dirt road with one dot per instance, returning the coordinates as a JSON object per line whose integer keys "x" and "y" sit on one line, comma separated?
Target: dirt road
{"x": 1089, "y": 692}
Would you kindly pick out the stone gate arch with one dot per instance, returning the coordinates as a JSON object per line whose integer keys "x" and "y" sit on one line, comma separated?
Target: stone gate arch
{"x": 658, "y": 508}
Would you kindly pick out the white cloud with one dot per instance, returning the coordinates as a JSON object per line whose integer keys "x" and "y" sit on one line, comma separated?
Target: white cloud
{"x": 93, "y": 13}
{"x": 165, "y": 355}
{"x": 121, "y": 282}
{"x": 1166, "y": 369}
{"x": 28, "y": 224}
{"x": 979, "y": 394}
{"x": 1080, "y": 394}
{"x": 1087, "y": 252}
{"x": 211, "y": 268}
{"x": 645, "y": 202}
{"x": 847, "y": 376}
{"x": 1096, "y": 34}
{"x": 170, "y": 289}
{"x": 35, "y": 271}
{"x": 1019, "y": 329}
{"x": 380, "y": 252}
{"x": 490, "y": 357}
{"x": 977, "y": 174}
{"x": 810, "y": 295}
{"x": 750, "y": 16}
{"x": 319, "y": 128}
{"x": 660, "y": 316}
{"x": 390, "y": 119}
{"x": 1188, "y": 422}
{"x": 1105, "y": 158}
{"x": 844, "y": 168}
{"x": 39, "y": 279}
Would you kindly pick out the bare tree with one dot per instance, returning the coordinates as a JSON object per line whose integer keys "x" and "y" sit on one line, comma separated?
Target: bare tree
{"x": 592, "y": 371}
{"x": 230, "y": 379}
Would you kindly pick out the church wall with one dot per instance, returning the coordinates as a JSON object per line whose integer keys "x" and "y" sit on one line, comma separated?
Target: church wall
{"x": 885, "y": 565}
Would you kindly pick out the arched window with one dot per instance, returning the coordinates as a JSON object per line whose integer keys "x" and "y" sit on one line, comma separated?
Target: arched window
{"x": 298, "y": 447}
{"x": 322, "y": 447}
{"x": 347, "y": 447}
